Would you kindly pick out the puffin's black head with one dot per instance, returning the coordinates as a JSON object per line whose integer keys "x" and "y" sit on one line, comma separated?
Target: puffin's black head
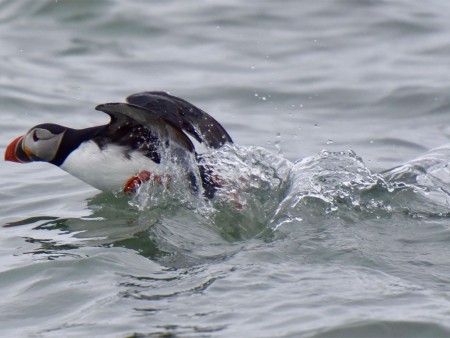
{"x": 40, "y": 143}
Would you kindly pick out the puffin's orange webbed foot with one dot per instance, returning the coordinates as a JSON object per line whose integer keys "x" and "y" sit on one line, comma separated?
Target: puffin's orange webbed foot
{"x": 136, "y": 181}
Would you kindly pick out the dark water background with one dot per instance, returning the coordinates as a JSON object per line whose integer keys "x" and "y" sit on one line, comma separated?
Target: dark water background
{"x": 324, "y": 247}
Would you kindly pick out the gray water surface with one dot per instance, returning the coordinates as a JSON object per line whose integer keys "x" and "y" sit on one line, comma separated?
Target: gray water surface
{"x": 312, "y": 236}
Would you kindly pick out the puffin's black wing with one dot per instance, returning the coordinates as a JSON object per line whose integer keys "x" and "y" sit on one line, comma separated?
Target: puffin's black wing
{"x": 139, "y": 128}
{"x": 184, "y": 116}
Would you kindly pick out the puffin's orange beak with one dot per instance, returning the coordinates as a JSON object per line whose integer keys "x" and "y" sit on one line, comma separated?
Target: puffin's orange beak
{"x": 15, "y": 153}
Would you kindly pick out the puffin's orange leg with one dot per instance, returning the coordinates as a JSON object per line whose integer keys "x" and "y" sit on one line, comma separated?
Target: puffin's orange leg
{"x": 136, "y": 181}
{"x": 144, "y": 176}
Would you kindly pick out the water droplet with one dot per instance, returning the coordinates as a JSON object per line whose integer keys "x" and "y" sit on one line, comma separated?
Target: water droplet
{"x": 264, "y": 98}
{"x": 252, "y": 67}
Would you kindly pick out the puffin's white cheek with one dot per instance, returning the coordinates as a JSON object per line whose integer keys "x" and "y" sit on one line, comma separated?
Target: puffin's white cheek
{"x": 46, "y": 149}
{"x": 29, "y": 146}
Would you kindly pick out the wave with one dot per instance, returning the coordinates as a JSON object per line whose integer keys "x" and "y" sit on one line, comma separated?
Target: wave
{"x": 261, "y": 190}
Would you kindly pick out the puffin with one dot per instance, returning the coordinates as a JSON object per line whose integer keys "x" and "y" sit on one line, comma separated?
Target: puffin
{"x": 145, "y": 134}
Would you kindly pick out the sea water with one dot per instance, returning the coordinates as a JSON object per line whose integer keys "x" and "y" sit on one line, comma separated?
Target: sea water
{"x": 333, "y": 216}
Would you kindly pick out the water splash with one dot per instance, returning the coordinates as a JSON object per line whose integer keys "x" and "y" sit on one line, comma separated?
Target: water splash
{"x": 260, "y": 191}
{"x": 326, "y": 183}
{"x": 425, "y": 182}
{"x": 251, "y": 182}
{"x": 341, "y": 185}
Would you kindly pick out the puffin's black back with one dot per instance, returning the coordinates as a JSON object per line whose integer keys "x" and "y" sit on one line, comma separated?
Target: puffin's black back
{"x": 183, "y": 115}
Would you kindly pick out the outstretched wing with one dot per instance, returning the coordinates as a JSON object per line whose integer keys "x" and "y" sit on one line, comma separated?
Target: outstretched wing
{"x": 183, "y": 116}
{"x": 141, "y": 129}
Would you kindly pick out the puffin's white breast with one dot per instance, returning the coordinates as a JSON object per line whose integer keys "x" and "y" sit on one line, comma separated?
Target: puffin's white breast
{"x": 106, "y": 169}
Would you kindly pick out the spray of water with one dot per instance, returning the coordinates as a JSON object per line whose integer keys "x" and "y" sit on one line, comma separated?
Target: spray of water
{"x": 258, "y": 190}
